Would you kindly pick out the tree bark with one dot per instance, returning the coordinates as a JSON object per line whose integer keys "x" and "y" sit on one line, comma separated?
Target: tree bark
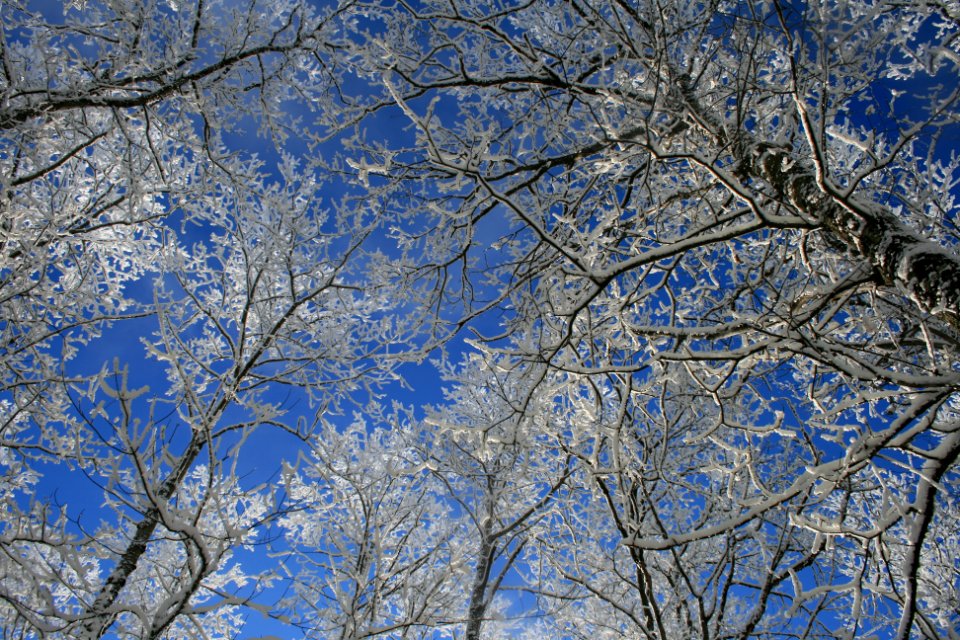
{"x": 100, "y": 614}
{"x": 926, "y": 272}
{"x": 477, "y": 609}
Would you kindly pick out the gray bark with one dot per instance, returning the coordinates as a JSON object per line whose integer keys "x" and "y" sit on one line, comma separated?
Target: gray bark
{"x": 926, "y": 272}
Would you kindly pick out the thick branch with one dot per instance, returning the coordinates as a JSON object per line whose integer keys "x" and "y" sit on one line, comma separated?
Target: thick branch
{"x": 100, "y": 612}
{"x": 927, "y": 272}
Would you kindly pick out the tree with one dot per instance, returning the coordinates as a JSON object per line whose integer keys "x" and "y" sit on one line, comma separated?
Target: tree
{"x": 708, "y": 251}
{"x": 739, "y": 216}
{"x": 124, "y": 209}
{"x": 421, "y": 528}
{"x": 371, "y": 549}
{"x": 502, "y": 473}
{"x": 257, "y": 308}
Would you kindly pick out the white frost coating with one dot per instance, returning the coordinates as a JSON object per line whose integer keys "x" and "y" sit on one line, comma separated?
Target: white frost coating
{"x": 665, "y": 350}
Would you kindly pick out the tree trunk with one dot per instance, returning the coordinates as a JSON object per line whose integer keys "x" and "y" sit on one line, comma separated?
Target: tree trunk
{"x": 100, "y": 616}
{"x": 477, "y": 608}
{"x": 926, "y": 272}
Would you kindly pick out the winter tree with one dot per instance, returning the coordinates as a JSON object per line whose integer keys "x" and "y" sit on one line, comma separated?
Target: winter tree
{"x": 504, "y": 473}
{"x": 421, "y": 528}
{"x": 127, "y": 212}
{"x": 725, "y": 235}
{"x": 370, "y": 547}
{"x": 707, "y": 250}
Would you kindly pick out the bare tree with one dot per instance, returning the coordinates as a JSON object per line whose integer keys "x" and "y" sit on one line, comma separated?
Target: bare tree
{"x": 421, "y": 528}
{"x": 370, "y": 547}
{"x": 503, "y": 473}
{"x": 125, "y": 210}
{"x": 265, "y": 304}
{"x": 738, "y": 213}
{"x": 708, "y": 250}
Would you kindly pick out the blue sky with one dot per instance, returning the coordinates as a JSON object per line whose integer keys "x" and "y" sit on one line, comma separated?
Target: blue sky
{"x": 260, "y": 460}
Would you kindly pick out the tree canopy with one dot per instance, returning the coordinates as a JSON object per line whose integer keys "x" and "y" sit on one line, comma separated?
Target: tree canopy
{"x": 676, "y": 286}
